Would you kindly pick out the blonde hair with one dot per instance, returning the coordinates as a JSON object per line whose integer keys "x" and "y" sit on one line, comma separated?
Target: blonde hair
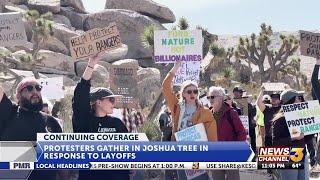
{"x": 186, "y": 84}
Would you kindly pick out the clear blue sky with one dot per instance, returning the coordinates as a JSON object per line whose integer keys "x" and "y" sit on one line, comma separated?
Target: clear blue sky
{"x": 240, "y": 16}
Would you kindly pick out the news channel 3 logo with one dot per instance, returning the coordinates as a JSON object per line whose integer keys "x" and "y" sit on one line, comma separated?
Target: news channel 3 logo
{"x": 296, "y": 155}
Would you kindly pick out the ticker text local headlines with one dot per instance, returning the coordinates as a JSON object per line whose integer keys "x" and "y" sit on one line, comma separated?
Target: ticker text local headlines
{"x": 101, "y": 151}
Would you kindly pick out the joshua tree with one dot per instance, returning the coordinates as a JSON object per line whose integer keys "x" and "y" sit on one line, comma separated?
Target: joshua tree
{"x": 183, "y": 23}
{"x": 256, "y": 49}
{"x": 42, "y": 29}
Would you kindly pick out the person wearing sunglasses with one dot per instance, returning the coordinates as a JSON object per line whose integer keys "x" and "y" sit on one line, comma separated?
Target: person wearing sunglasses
{"x": 187, "y": 111}
{"x": 229, "y": 126}
{"x": 91, "y": 114}
{"x": 22, "y": 121}
{"x": 281, "y": 136}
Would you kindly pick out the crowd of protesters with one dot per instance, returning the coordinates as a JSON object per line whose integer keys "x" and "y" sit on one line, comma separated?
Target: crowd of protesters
{"x": 92, "y": 109}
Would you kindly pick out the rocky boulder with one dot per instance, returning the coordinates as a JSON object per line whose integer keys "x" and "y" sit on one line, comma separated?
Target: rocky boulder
{"x": 146, "y": 7}
{"x": 128, "y": 62}
{"x": 130, "y": 25}
{"x": 63, "y": 33}
{"x": 53, "y": 44}
{"x": 44, "y": 6}
{"x": 76, "y": 4}
{"x": 149, "y": 86}
{"x": 76, "y": 19}
{"x": 60, "y": 19}
{"x": 116, "y": 54}
{"x": 56, "y": 61}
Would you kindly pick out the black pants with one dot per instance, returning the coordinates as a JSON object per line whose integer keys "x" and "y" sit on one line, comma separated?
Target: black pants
{"x": 311, "y": 150}
{"x": 252, "y": 134}
{"x": 267, "y": 141}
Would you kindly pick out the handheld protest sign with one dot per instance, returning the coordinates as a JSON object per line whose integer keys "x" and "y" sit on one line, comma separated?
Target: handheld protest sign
{"x": 245, "y": 122}
{"x": 275, "y": 87}
{"x": 52, "y": 88}
{"x": 187, "y": 71}
{"x": 94, "y": 41}
{"x": 12, "y": 31}
{"x": 310, "y": 44}
{"x": 243, "y": 105}
{"x": 302, "y": 118}
{"x": 193, "y": 133}
{"x": 183, "y": 45}
{"x": 123, "y": 81}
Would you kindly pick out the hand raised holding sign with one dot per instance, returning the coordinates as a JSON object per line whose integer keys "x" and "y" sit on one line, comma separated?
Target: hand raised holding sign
{"x": 176, "y": 67}
{"x": 93, "y": 60}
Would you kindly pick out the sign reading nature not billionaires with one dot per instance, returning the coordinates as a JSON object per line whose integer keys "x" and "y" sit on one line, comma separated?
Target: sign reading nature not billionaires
{"x": 302, "y": 118}
{"x": 94, "y": 41}
{"x": 12, "y": 30}
{"x": 310, "y": 44}
{"x": 183, "y": 45}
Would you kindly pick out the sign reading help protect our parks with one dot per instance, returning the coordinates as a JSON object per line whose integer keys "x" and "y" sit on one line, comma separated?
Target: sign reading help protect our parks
{"x": 183, "y": 45}
{"x": 12, "y": 31}
{"x": 302, "y": 118}
{"x": 123, "y": 81}
{"x": 310, "y": 44}
{"x": 187, "y": 71}
{"x": 94, "y": 41}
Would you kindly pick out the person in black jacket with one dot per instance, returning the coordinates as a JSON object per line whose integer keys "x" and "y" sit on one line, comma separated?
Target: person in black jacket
{"x": 91, "y": 111}
{"x": 22, "y": 121}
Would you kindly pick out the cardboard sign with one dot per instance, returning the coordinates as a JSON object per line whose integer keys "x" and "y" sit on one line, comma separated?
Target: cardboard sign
{"x": 52, "y": 88}
{"x": 12, "y": 30}
{"x": 243, "y": 105}
{"x": 123, "y": 81}
{"x": 94, "y": 41}
{"x": 187, "y": 71}
{"x": 193, "y": 133}
{"x": 302, "y": 118}
{"x": 310, "y": 44}
{"x": 275, "y": 87}
{"x": 183, "y": 45}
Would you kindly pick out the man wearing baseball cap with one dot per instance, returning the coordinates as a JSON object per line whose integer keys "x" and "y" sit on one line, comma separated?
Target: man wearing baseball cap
{"x": 238, "y": 94}
{"x": 22, "y": 121}
{"x": 91, "y": 114}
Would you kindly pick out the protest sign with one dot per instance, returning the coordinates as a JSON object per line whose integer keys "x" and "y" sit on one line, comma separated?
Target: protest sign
{"x": 302, "y": 117}
{"x": 187, "y": 71}
{"x": 245, "y": 122}
{"x": 193, "y": 133}
{"x": 183, "y": 45}
{"x": 243, "y": 105}
{"x": 94, "y": 41}
{"x": 52, "y": 88}
{"x": 123, "y": 81}
{"x": 274, "y": 87}
{"x": 12, "y": 31}
{"x": 310, "y": 44}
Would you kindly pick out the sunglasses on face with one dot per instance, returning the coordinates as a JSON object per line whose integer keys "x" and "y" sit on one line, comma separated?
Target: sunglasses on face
{"x": 195, "y": 91}
{"x": 211, "y": 97}
{"x": 111, "y": 99}
{"x": 30, "y": 88}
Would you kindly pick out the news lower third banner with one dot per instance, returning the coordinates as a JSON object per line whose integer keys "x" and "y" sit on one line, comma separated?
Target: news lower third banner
{"x": 131, "y": 151}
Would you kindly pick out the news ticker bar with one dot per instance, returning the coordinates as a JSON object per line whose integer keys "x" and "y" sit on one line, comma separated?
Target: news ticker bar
{"x": 130, "y": 165}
